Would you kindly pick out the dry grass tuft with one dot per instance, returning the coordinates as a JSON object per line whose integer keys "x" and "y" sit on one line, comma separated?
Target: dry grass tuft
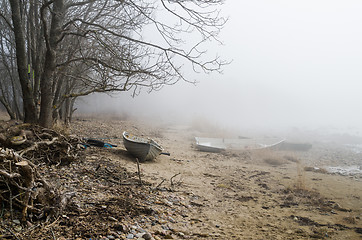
{"x": 274, "y": 161}
{"x": 61, "y": 128}
{"x": 350, "y": 220}
{"x": 270, "y": 157}
{"x": 291, "y": 158}
{"x": 300, "y": 183}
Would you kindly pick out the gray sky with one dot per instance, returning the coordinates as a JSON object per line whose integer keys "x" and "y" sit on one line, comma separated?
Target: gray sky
{"x": 295, "y": 64}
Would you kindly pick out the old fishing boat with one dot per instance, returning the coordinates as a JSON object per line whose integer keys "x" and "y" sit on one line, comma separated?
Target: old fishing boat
{"x": 142, "y": 148}
{"x": 221, "y": 144}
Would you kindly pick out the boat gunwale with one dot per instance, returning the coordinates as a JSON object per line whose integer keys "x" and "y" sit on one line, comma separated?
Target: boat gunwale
{"x": 144, "y": 142}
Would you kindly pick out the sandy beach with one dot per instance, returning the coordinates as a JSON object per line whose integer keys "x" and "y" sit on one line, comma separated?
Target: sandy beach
{"x": 260, "y": 194}
{"x": 240, "y": 194}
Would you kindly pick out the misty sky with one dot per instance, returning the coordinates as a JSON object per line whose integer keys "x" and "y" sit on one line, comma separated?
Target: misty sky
{"x": 295, "y": 63}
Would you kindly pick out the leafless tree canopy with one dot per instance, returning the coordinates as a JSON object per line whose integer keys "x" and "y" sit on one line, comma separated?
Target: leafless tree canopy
{"x": 67, "y": 48}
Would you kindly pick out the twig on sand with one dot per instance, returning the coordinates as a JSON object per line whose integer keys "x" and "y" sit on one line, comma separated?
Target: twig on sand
{"x": 159, "y": 184}
{"x": 139, "y": 171}
{"x": 172, "y": 184}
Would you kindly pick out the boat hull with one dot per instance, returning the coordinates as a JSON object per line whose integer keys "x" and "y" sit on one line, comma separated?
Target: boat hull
{"x": 141, "y": 148}
{"x": 221, "y": 144}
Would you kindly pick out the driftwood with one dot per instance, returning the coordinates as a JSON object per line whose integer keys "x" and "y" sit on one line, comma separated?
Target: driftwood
{"x": 36, "y": 145}
{"x": 9, "y": 175}
{"x": 25, "y": 187}
{"x": 21, "y": 185}
{"x": 41, "y": 145}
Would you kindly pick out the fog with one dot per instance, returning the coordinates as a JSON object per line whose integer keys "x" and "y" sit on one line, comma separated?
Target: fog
{"x": 295, "y": 64}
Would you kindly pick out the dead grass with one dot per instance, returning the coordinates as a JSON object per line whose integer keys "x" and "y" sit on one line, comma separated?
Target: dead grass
{"x": 300, "y": 183}
{"x": 62, "y": 128}
{"x": 299, "y": 192}
{"x": 292, "y": 158}
{"x": 274, "y": 161}
{"x": 350, "y": 220}
{"x": 269, "y": 156}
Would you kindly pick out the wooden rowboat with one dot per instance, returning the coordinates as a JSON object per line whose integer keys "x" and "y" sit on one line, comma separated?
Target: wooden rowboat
{"x": 222, "y": 144}
{"x": 141, "y": 148}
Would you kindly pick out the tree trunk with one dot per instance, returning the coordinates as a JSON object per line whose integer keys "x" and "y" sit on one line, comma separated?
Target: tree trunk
{"x": 46, "y": 116}
{"x": 72, "y": 110}
{"x": 28, "y": 100}
{"x": 46, "y": 83}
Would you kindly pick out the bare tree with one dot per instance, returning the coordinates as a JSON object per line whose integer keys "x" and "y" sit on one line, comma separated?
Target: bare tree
{"x": 10, "y": 90}
{"x": 89, "y": 46}
{"x": 29, "y": 105}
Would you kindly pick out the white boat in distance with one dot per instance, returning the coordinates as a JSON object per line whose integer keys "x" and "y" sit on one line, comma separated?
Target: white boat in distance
{"x": 141, "y": 148}
{"x": 221, "y": 144}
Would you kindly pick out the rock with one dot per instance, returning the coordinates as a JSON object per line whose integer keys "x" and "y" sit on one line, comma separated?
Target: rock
{"x": 162, "y": 221}
{"x": 139, "y": 235}
{"x": 141, "y": 230}
{"x": 111, "y": 237}
{"x": 165, "y": 227}
{"x": 167, "y": 203}
{"x": 171, "y": 219}
{"x": 121, "y": 228}
{"x": 130, "y": 236}
{"x": 168, "y": 236}
{"x": 203, "y": 235}
{"x": 16, "y": 221}
{"x": 147, "y": 236}
{"x": 160, "y": 232}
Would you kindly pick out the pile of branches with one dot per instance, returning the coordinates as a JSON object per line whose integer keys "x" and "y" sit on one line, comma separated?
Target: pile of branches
{"x": 22, "y": 187}
{"x": 42, "y": 145}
